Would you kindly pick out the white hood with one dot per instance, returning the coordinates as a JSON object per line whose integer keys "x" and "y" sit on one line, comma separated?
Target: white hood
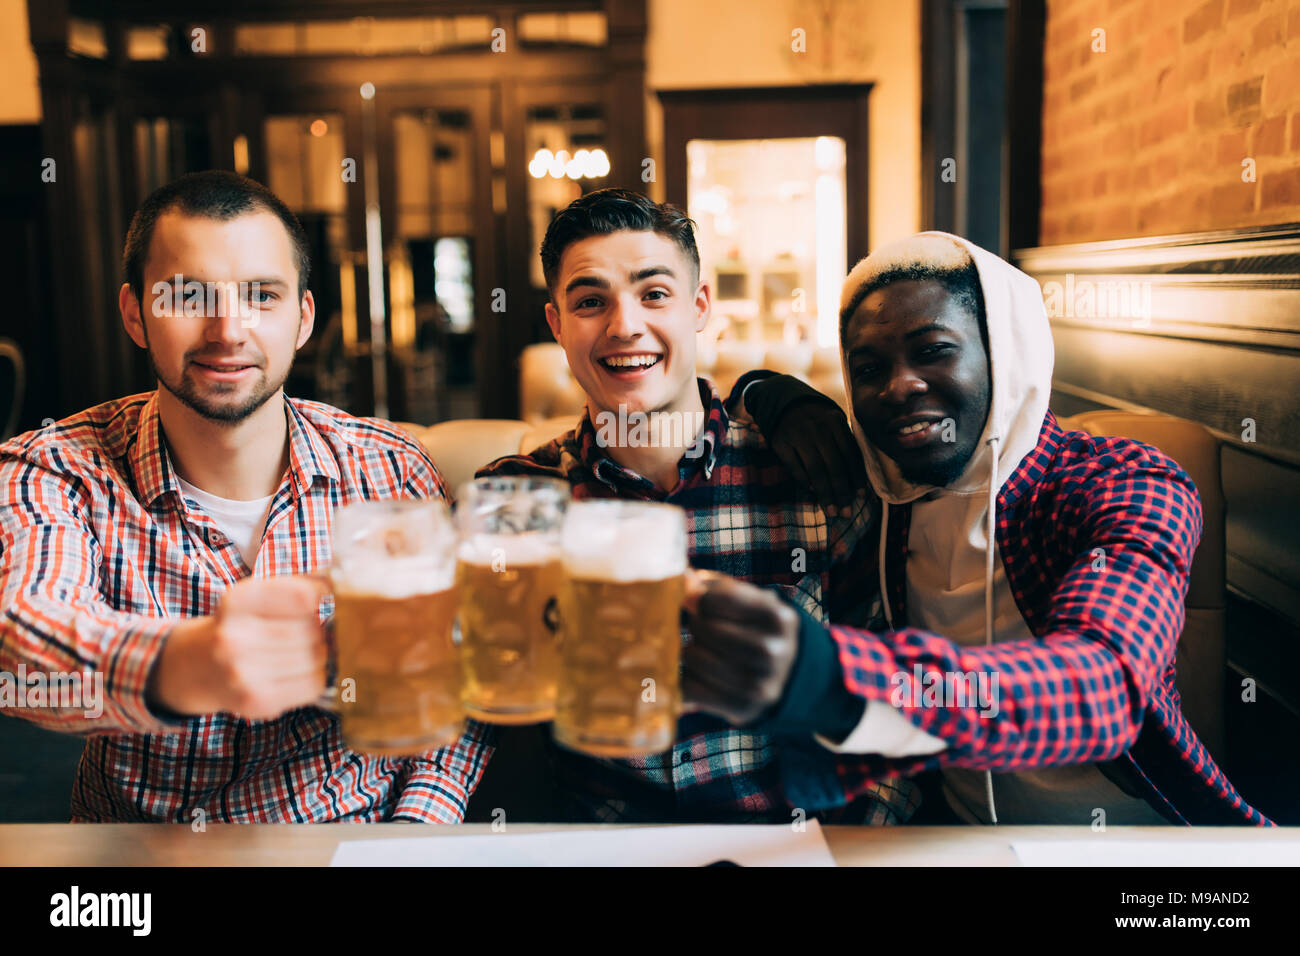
{"x": 1021, "y": 356}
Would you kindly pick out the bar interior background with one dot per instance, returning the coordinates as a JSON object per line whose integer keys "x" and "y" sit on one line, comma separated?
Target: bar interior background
{"x": 1161, "y": 155}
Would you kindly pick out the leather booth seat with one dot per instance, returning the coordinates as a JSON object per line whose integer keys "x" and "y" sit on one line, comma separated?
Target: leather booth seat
{"x": 1202, "y": 653}
{"x": 460, "y": 448}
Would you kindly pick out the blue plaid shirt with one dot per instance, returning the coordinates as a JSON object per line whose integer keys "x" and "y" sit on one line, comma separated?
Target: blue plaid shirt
{"x": 746, "y": 517}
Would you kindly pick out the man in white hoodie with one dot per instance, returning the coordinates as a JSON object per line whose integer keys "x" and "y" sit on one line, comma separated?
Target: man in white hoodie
{"x": 1034, "y": 578}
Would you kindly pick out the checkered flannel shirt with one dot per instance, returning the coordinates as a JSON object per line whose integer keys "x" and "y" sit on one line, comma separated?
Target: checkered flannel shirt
{"x": 1096, "y": 685}
{"x": 746, "y": 516}
{"x": 100, "y": 553}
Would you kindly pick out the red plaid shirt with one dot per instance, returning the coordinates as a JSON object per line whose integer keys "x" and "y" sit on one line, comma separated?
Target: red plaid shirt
{"x": 1097, "y": 683}
{"x": 100, "y": 552}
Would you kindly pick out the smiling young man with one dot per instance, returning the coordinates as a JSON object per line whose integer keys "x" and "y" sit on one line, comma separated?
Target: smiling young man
{"x": 171, "y": 542}
{"x": 1035, "y": 578}
{"x": 627, "y": 302}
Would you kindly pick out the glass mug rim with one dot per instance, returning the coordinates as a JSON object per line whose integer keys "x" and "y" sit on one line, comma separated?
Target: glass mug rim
{"x": 629, "y": 505}
{"x": 588, "y": 532}
{"x": 439, "y": 517}
{"x": 594, "y": 536}
{"x": 546, "y": 492}
{"x": 510, "y": 523}
{"x": 437, "y": 509}
{"x": 491, "y": 483}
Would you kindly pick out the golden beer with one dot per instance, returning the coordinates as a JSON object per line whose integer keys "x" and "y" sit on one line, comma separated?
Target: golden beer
{"x": 620, "y": 624}
{"x": 509, "y": 573}
{"x": 509, "y": 645}
{"x": 622, "y": 651}
{"x": 404, "y": 695}
{"x": 395, "y": 601}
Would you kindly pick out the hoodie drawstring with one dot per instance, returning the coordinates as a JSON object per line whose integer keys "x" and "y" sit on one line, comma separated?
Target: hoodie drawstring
{"x": 988, "y": 593}
{"x": 884, "y": 590}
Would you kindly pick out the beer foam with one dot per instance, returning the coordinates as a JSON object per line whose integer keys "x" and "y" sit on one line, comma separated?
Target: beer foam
{"x": 526, "y": 549}
{"x": 639, "y": 545}
{"x": 394, "y": 577}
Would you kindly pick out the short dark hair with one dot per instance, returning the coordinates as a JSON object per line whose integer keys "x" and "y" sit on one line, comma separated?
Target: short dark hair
{"x": 963, "y": 284}
{"x": 214, "y": 194}
{"x": 607, "y": 211}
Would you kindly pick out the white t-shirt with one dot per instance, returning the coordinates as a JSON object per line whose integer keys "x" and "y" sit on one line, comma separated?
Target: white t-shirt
{"x": 243, "y": 522}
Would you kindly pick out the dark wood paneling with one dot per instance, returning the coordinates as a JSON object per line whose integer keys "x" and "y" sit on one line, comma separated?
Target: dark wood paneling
{"x": 938, "y": 113}
{"x": 1216, "y": 384}
{"x": 25, "y": 270}
{"x": 491, "y": 372}
{"x": 232, "y": 95}
{"x": 1263, "y": 755}
{"x": 1026, "y": 25}
{"x": 1211, "y": 334}
{"x": 271, "y": 10}
{"x": 942, "y": 35}
{"x": 1263, "y": 532}
{"x": 626, "y": 91}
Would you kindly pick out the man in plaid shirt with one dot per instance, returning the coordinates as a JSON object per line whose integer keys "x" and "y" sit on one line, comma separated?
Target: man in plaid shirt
{"x": 170, "y": 544}
{"x": 1049, "y": 567}
{"x": 627, "y": 303}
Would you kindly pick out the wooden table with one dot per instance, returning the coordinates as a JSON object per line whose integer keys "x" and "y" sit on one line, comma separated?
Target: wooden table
{"x": 127, "y": 844}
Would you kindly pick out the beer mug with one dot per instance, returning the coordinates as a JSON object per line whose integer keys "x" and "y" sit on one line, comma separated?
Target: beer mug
{"x": 619, "y": 690}
{"x": 509, "y": 575}
{"x": 398, "y": 672}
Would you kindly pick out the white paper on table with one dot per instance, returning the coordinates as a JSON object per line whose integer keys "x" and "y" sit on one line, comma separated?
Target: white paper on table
{"x": 1112, "y": 852}
{"x": 775, "y": 845}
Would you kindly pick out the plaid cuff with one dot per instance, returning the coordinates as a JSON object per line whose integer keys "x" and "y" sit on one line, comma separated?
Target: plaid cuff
{"x": 127, "y": 668}
{"x": 440, "y": 782}
{"x": 815, "y": 698}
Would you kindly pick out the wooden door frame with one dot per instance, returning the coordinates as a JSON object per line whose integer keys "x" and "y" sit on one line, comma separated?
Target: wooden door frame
{"x": 776, "y": 113}
{"x": 520, "y": 244}
{"x": 490, "y": 371}
{"x": 1022, "y": 134}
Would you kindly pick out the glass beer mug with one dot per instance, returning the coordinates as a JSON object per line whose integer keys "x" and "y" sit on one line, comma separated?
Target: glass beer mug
{"x": 619, "y": 691}
{"x": 509, "y": 576}
{"x": 395, "y": 599}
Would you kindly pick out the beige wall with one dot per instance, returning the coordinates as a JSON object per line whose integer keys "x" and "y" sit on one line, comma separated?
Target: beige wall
{"x": 721, "y": 43}
{"x": 20, "y": 96}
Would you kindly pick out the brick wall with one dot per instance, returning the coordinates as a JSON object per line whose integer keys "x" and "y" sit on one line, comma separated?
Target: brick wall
{"x": 1149, "y": 137}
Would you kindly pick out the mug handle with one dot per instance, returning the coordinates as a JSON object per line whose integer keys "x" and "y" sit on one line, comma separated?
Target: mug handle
{"x": 329, "y": 697}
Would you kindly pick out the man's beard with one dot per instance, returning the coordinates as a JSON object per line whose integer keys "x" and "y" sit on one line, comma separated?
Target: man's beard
{"x": 938, "y": 474}
{"x": 231, "y": 414}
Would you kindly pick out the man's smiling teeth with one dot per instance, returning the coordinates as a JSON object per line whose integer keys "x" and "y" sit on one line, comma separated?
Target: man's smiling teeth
{"x": 630, "y": 361}
{"x": 919, "y": 426}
